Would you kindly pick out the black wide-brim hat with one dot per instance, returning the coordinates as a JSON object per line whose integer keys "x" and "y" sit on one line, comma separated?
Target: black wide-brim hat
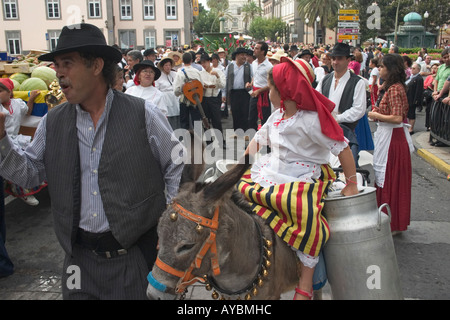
{"x": 83, "y": 37}
{"x": 306, "y": 52}
{"x": 341, "y": 49}
{"x": 147, "y": 64}
{"x": 240, "y": 50}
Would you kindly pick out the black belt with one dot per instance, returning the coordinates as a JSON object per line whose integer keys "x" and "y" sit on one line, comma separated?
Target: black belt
{"x": 102, "y": 244}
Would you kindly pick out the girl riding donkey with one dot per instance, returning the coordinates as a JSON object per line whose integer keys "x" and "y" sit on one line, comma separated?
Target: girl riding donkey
{"x": 286, "y": 186}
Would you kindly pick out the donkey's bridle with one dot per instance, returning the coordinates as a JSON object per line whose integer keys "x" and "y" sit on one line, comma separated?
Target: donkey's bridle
{"x": 186, "y": 277}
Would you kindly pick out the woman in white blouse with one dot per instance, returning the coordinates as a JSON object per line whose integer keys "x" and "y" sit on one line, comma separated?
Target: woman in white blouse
{"x": 165, "y": 85}
{"x": 146, "y": 75}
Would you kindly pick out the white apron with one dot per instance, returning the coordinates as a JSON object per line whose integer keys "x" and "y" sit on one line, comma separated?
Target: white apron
{"x": 382, "y": 142}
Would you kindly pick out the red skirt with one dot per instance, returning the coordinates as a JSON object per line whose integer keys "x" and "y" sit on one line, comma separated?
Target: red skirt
{"x": 397, "y": 184}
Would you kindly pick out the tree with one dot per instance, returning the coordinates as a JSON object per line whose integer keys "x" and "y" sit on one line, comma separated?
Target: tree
{"x": 325, "y": 9}
{"x": 438, "y": 11}
{"x": 249, "y": 11}
{"x": 204, "y": 21}
{"x": 220, "y": 8}
{"x": 261, "y": 28}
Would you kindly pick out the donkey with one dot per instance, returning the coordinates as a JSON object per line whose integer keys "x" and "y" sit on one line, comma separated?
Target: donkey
{"x": 209, "y": 234}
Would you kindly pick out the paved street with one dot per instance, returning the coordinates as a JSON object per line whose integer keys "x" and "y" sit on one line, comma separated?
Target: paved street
{"x": 422, "y": 251}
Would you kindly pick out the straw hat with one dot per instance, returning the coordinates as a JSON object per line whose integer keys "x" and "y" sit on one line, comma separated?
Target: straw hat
{"x": 174, "y": 53}
{"x": 163, "y": 62}
{"x": 303, "y": 66}
{"x": 277, "y": 56}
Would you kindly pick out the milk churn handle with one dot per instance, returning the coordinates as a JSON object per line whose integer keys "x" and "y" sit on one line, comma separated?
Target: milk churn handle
{"x": 379, "y": 214}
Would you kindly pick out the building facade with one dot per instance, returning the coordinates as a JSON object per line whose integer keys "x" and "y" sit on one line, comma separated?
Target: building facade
{"x": 36, "y": 24}
{"x": 287, "y": 11}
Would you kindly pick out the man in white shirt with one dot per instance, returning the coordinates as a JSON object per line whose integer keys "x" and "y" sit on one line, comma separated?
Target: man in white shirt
{"x": 348, "y": 92}
{"x": 425, "y": 69}
{"x": 213, "y": 80}
{"x": 259, "y": 102}
{"x": 187, "y": 109}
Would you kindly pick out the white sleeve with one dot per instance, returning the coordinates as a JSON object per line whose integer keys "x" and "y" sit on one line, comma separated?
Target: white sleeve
{"x": 358, "y": 109}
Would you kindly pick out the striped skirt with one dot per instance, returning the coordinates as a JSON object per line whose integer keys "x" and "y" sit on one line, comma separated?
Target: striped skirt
{"x": 293, "y": 210}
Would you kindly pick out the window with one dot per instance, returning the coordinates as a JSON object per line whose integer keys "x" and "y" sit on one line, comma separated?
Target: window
{"x": 172, "y": 38}
{"x": 10, "y": 9}
{"x": 127, "y": 39}
{"x": 53, "y": 11}
{"x": 125, "y": 10}
{"x": 149, "y": 38}
{"x": 53, "y": 36}
{"x": 94, "y": 9}
{"x": 149, "y": 9}
{"x": 171, "y": 9}
{"x": 13, "y": 42}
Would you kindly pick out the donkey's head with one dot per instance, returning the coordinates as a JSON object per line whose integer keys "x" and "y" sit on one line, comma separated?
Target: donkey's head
{"x": 187, "y": 231}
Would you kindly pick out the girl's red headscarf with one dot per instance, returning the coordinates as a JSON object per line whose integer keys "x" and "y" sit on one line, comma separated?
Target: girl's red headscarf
{"x": 293, "y": 80}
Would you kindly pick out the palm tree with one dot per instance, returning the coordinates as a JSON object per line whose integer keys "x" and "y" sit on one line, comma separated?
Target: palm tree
{"x": 249, "y": 11}
{"x": 220, "y": 8}
{"x": 324, "y": 9}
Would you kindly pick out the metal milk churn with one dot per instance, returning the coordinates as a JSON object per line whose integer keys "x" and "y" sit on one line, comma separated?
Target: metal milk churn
{"x": 359, "y": 255}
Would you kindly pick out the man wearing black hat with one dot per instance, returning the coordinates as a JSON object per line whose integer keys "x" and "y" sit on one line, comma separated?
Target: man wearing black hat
{"x": 307, "y": 56}
{"x": 150, "y": 54}
{"x": 293, "y": 51}
{"x": 238, "y": 74}
{"x": 348, "y": 92}
{"x": 107, "y": 159}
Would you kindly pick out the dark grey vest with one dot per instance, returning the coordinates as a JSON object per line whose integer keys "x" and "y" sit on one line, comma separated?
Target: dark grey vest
{"x": 130, "y": 179}
{"x": 347, "y": 95}
{"x": 230, "y": 77}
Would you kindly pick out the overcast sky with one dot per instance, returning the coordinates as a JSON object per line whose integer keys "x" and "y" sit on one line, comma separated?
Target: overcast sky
{"x": 203, "y": 2}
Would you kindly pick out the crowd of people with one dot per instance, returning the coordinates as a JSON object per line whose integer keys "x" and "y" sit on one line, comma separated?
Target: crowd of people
{"x": 108, "y": 156}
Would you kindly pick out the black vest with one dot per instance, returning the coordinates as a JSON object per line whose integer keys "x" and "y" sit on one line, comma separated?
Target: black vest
{"x": 230, "y": 77}
{"x": 129, "y": 177}
{"x": 346, "y": 101}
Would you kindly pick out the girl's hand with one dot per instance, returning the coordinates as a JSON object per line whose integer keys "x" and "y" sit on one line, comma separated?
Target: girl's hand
{"x": 350, "y": 189}
{"x": 372, "y": 115}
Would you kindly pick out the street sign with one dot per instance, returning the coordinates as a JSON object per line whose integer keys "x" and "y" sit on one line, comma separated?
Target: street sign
{"x": 354, "y": 25}
{"x": 348, "y": 18}
{"x": 348, "y": 31}
{"x": 347, "y": 37}
{"x": 344, "y": 11}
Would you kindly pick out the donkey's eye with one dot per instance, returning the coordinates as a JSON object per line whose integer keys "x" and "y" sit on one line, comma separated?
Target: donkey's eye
{"x": 185, "y": 247}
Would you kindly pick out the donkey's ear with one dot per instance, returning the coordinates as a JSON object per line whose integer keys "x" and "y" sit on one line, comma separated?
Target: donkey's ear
{"x": 228, "y": 180}
{"x": 195, "y": 166}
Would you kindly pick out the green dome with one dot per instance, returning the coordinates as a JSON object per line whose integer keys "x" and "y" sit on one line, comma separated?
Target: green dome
{"x": 412, "y": 17}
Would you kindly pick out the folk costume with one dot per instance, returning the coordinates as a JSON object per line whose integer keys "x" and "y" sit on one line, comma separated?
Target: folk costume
{"x": 150, "y": 93}
{"x": 286, "y": 187}
{"x": 392, "y": 158}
